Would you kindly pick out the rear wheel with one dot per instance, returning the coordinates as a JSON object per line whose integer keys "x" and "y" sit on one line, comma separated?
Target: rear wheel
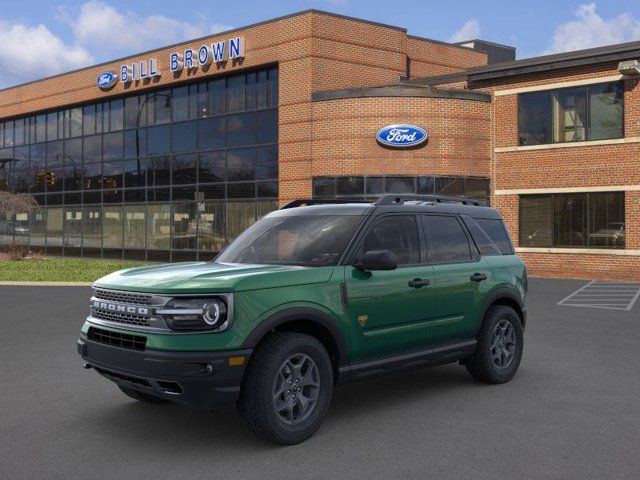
{"x": 287, "y": 388}
{"x": 500, "y": 344}
{"x": 141, "y": 396}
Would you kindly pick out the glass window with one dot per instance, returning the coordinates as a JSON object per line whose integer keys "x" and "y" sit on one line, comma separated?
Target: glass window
{"x": 158, "y": 140}
{"x": 570, "y": 115}
{"x": 8, "y": 134}
{"x": 212, "y": 167}
{"x": 570, "y": 220}
{"x": 116, "y": 115}
{"x": 159, "y": 171}
{"x": 37, "y": 226}
{"x": 606, "y": 220}
{"x": 324, "y": 187}
{"x": 606, "y": 111}
{"x": 131, "y": 112}
{"x": 184, "y": 170}
{"x": 158, "y": 227}
{"x": 250, "y": 91}
{"x": 398, "y": 234}
{"x": 112, "y": 227}
{"x": 268, "y": 189}
{"x": 241, "y": 190}
{"x": 92, "y": 148}
{"x": 241, "y": 164}
{"x": 534, "y": 118}
{"x": 89, "y": 116}
{"x": 497, "y": 232}
{"x": 180, "y": 104}
{"x": 450, "y": 186}
{"x": 54, "y": 227}
{"x": 73, "y": 227}
{"x": 183, "y": 137}
{"x": 112, "y": 146}
{"x": 400, "y": 185}
{"x": 426, "y": 185}
{"x": 41, "y": 128}
{"x": 184, "y": 226}
{"x": 240, "y": 216}
{"x": 211, "y": 133}
{"x": 313, "y": 240}
{"x": 92, "y": 227}
{"x": 21, "y": 178}
{"x": 350, "y": 186}
{"x": 211, "y": 226}
{"x": 536, "y": 221}
{"x": 235, "y": 93}
{"x": 216, "y": 97}
{"x": 485, "y": 245}
{"x": 241, "y": 129}
{"x": 112, "y": 175}
{"x": 374, "y": 185}
{"x": 268, "y": 126}
{"x": 92, "y": 176}
{"x": 162, "y": 107}
{"x": 75, "y": 122}
{"x": 19, "y": 132}
{"x": 272, "y": 88}
{"x": 448, "y": 242}
{"x": 134, "y": 226}
{"x": 267, "y": 163}
{"x": 478, "y": 189}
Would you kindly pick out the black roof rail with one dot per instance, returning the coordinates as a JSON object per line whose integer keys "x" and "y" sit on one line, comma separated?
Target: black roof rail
{"x": 399, "y": 199}
{"x": 307, "y": 202}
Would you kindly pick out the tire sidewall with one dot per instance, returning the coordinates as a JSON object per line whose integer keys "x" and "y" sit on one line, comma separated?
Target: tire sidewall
{"x": 501, "y": 375}
{"x": 297, "y": 433}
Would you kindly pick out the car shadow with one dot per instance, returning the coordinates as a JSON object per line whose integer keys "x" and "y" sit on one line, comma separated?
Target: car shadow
{"x": 189, "y": 430}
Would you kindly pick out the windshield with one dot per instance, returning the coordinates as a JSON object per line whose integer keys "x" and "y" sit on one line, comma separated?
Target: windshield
{"x": 314, "y": 240}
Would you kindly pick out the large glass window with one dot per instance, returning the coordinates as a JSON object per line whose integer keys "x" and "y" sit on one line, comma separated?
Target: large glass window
{"x": 399, "y": 235}
{"x": 576, "y": 220}
{"x": 105, "y": 172}
{"x": 447, "y": 241}
{"x": 592, "y": 112}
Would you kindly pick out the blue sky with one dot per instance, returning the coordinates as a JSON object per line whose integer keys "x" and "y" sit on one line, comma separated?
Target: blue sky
{"x": 43, "y": 37}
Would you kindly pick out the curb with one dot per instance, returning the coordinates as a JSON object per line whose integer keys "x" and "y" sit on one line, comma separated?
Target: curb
{"x": 47, "y": 284}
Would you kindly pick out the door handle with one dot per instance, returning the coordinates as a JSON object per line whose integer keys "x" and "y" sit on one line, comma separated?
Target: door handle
{"x": 418, "y": 282}
{"x": 478, "y": 277}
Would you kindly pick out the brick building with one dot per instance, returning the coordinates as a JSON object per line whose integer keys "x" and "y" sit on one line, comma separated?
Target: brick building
{"x": 169, "y": 154}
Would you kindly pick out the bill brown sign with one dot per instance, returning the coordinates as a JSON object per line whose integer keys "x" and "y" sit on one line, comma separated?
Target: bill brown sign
{"x": 189, "y": 59}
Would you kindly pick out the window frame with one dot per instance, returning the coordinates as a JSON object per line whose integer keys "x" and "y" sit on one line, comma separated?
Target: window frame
{"x": 552, "y": 93}
{"x": 587, "y": 223}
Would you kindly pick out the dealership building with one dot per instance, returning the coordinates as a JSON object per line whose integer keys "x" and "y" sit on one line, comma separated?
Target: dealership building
{"x": 170, "y": 154}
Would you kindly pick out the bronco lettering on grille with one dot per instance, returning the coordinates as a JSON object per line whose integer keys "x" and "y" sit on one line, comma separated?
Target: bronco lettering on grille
{"x": 116, "y": 308}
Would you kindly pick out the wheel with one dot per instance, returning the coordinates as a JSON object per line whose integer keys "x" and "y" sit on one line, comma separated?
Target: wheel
{"x": 500, "y": 343}
{"x": 141, "y": 396}
{"x": 287, "y": 388}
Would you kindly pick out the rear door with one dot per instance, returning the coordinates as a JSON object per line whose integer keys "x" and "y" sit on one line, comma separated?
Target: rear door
{"x": 389, "y": 310}
{"x": 462, "y": 277}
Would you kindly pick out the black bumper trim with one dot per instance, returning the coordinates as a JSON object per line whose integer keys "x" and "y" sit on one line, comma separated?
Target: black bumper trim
{"x": 204, "y": 380}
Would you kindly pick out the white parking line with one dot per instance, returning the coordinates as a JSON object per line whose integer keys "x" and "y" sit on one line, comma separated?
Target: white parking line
{"x": 608, "y": 295}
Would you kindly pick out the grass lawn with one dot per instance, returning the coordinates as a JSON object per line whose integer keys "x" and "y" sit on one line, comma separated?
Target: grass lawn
{"x": 60, "y": 269}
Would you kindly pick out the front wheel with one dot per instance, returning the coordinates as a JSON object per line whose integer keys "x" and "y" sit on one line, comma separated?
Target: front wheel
{"x": 287, "y": 388}
{"x": 500, "y": 344}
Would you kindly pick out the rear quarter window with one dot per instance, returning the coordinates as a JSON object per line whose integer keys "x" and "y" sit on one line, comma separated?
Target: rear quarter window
{"x": 497, "y": 232}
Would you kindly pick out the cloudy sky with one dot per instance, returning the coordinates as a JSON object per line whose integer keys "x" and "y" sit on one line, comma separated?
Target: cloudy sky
{"x": 39, "y": 38}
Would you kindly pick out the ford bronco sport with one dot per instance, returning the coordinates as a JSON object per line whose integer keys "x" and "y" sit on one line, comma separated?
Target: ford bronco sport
{"x": 311, "y": 296}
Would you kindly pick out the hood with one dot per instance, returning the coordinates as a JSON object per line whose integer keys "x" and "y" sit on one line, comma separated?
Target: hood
{"x": 201, "y": 277}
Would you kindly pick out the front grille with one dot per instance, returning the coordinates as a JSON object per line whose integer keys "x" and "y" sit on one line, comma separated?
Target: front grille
{"x": 126, "y": 318}
{"x": 123, "y": 297}
{"x": 117, "y": 339}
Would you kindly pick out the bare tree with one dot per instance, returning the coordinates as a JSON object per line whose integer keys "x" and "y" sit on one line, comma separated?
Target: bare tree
{"x": 16, "y": 203}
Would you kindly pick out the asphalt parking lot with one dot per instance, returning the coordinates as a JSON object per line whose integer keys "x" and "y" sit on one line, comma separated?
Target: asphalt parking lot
{"x": 572, "y": 412}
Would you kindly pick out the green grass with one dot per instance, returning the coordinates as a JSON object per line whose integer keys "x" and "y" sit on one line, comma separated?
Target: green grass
{"x": 60, "y": 269}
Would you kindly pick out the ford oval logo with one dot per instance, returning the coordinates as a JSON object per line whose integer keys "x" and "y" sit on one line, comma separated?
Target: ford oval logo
{"x": 106, "y": 80}
{"x": 401, "y": 136}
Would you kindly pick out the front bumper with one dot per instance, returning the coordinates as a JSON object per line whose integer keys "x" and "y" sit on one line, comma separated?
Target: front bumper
{"x": 202, "y": 380}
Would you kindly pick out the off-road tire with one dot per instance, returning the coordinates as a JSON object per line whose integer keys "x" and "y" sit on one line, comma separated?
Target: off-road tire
{"x": 141, "y": 396}
{"x": 256, "y": 403}
{"x": 482, "y": 365}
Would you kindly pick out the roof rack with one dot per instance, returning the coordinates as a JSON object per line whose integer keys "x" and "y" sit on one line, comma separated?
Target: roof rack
{"x": 391, "y": 199}
{"x": 305, "y": 202}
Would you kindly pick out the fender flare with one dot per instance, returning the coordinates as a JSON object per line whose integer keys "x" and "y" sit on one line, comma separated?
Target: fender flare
{"x": 300, "y": 313}
{"x": 499, "y": 294}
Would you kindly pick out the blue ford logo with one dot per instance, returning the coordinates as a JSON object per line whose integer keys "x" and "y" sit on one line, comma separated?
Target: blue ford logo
{"x": 401, "y": 136}
{"x": 106, "y": 80}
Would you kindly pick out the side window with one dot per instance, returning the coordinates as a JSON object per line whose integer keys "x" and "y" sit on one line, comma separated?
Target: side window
{"x": 498, "y": 233}
{"x": 448, "y": 242}
{"x": 484, "y": 243}
{"x": 397, "y": 233}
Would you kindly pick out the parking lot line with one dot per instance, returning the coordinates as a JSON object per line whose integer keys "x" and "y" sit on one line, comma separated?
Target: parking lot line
{"x": 608, "y": 295}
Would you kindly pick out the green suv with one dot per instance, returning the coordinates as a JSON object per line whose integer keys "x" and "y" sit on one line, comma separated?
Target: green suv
{"x": 311, "y": 296}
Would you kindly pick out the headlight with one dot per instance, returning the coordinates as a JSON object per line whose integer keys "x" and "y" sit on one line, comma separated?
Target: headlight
{"x": 195, "y": 314}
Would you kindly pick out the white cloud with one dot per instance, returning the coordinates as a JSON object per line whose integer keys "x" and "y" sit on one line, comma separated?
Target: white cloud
{"x": 108, "y": 31}
{"x": 591, "y": 30}
{"x": 469, "y": 31}
{"x": 29, "y": 52}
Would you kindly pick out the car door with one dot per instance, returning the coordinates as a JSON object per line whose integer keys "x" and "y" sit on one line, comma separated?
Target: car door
{"x": 388, "y": 310}
{"x": 461, "y": 276}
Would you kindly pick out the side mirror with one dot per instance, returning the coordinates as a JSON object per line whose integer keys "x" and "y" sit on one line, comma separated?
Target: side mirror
{"x": 377, "y": 260}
